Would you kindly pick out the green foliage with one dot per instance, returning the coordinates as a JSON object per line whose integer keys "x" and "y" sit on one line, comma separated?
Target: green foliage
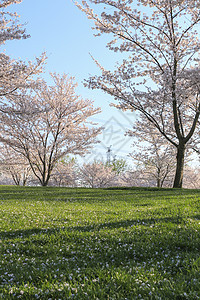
{"x": 68, "y": 159}
{"x": 118, "y": 165}
{"x": 62, "y": 243}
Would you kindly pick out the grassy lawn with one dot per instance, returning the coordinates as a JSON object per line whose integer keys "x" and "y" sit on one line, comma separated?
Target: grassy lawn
{"x": 61, "y": 243}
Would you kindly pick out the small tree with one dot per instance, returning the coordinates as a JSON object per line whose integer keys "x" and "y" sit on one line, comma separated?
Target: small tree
{"x": 65, "y": 173}
{"x": 133, "y": 178}
{"x": 155, "y": 157}
{"x": 156, "y": 164}
{"x": 97, "y": 175}
{"x": 14, "y": 165}
{"x": 53, "y": 125}
{"x": 118, "y": 165}
{"x": 191, "y": 178}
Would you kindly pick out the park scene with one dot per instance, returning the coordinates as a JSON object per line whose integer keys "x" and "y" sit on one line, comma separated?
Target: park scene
{"x": 100, "y": 149}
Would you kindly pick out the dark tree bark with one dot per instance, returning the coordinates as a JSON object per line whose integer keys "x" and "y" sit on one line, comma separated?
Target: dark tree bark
{"x": 178, "y": 180}
{"x": 158, "y": 183}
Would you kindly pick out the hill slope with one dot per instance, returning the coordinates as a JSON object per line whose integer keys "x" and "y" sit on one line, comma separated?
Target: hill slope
{"x": 61, "y": 243}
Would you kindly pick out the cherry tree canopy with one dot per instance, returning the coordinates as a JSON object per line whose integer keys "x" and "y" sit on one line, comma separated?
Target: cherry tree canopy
{"x": 54, "y": 123}
{"x": 14, "y": 74}
{"x": 97, "y": 175}
{"x": 159, "y": 75}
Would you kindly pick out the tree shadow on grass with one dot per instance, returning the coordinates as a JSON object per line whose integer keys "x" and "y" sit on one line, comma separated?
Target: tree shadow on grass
{"x": 95, "y": 251}
{"x": 96, "y": 227}
{"x": 195, "y": 217}
{"x": 87, "y": 194}
{"x": 101, "y": 246}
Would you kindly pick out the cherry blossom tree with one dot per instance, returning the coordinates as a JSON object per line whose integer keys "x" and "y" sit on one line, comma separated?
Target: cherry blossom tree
{"x": 159, "y": 76}
{"x": 154, "y": 155}
{"x": 156, "y": 164}
{"x": 134, "y": 177}
{"x": 18, "y": 170}
{"x": 54, "y": 124}
{"x": 9, "y": 24}
{"x": 14, "y": 165}
{"x": 65, "y": 173}
{"x": 14, "y": 74}
{"x": 97, "y": 175}
{"x": 192, "y": 178}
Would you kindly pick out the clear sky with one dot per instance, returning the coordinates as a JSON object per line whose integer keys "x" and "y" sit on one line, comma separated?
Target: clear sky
{"x": 64, "y": 32}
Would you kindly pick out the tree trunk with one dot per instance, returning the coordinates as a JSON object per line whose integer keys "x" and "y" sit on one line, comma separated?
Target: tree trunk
{"x": 45, "y": 179}
{"x": 158, "y": 182}
{"x": 158, "y": 177}
{"x": 178, "y": 180}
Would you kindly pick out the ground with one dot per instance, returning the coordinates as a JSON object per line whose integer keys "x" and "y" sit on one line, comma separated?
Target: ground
{"x": 61, "y": 243}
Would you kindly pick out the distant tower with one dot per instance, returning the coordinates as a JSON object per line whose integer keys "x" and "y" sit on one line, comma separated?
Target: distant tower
{"x": 109, "y": 154}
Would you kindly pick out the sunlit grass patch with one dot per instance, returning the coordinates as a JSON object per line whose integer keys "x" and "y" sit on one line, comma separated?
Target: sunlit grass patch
{"x": 60, "y": 243}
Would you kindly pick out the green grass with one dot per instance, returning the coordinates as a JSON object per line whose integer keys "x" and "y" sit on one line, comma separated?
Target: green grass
{"x": 61, "y": 243}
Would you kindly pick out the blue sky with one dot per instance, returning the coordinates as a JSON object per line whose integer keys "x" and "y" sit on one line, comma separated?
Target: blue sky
{"x": 64, "y": 32}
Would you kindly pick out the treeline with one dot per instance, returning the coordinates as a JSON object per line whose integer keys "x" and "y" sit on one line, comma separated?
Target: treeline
{"x": 97, "y": 174}
{"x": 42, "y": 124}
